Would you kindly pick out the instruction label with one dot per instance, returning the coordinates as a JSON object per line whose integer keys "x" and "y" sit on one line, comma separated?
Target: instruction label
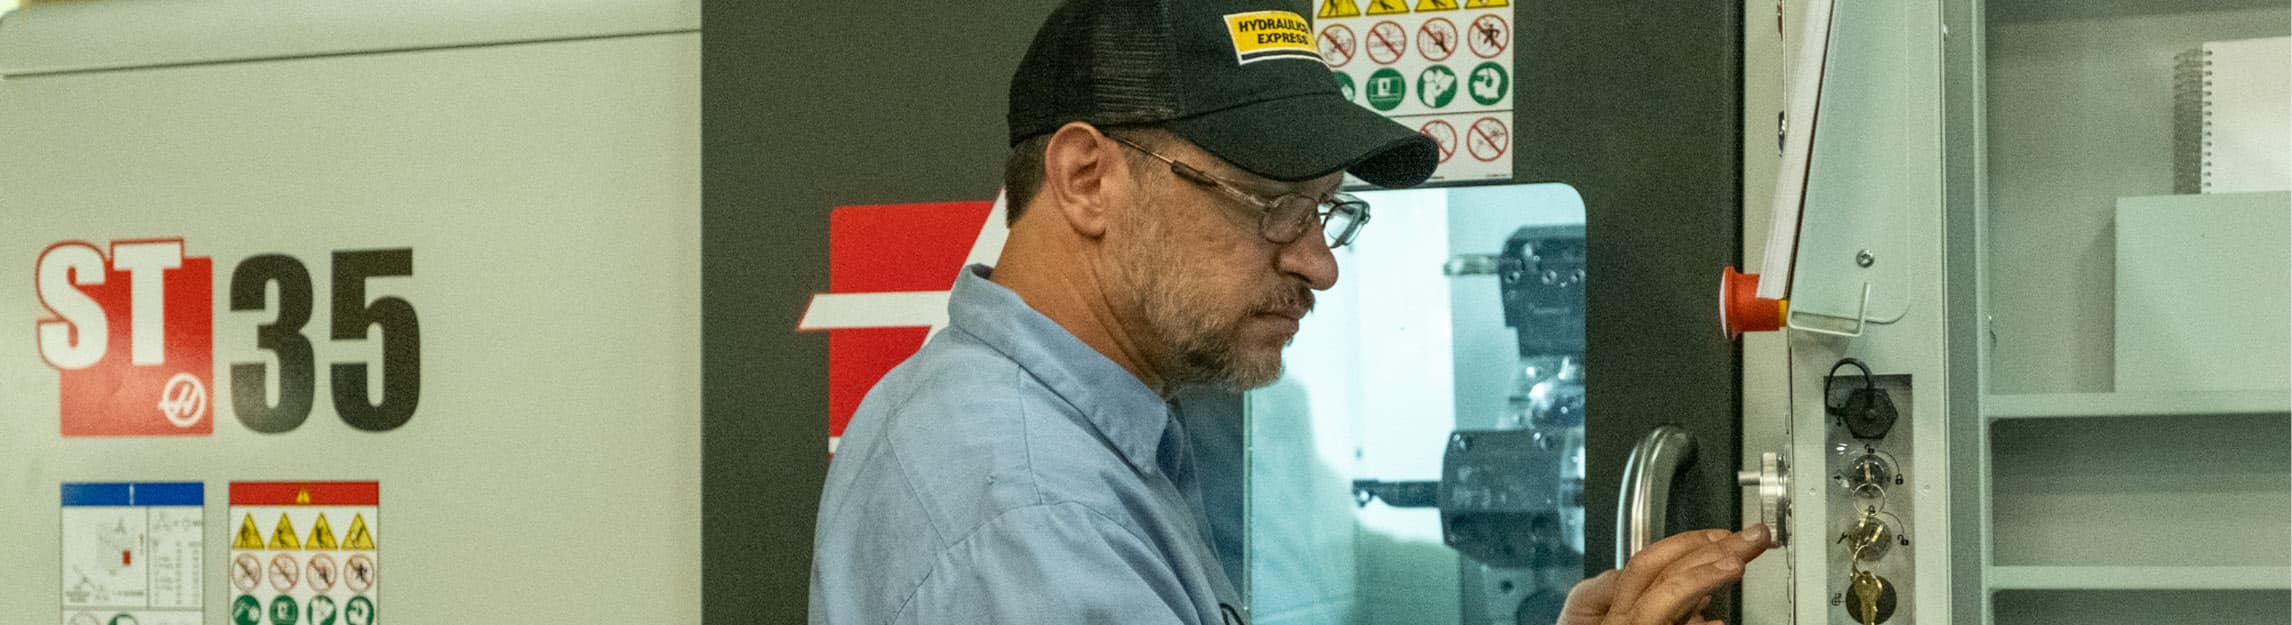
{"x": 1441, "y": 66}
{"x": 305, "y": 553}
{"x": 131, "y": 553}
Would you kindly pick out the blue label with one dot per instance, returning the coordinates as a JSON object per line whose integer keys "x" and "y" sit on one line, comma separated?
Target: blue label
{"x": 135, "y": 494}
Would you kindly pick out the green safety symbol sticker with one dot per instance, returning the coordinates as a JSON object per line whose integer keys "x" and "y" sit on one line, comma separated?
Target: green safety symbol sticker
{"x": 1344, "y": 85}
{"x": 1490, "y": 83}
{"x": 284, "y": 611}
{"x": 358, "y": 611}
{"x": 322, "y": 610}
{"x": 1386, "y": 89}
{"x": 1436, "y": 87}
{"x": 246, "y": 610}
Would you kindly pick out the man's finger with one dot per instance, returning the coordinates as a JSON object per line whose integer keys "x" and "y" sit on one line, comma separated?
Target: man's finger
{"x": 1590, "y": 600}
{"x": 1741, "y": 547}
{"x": 1696, "y": 615}
{"x": 1669, "y": 600}
{"x": 1646, "y": 565}
{"x": 1682, "y": 555}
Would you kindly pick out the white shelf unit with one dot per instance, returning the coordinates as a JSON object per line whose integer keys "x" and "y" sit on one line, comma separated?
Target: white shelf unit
{"x": 2102, "y": 503}
{"x": 2166, "y": 507}
{"x": 2163, "y": 490}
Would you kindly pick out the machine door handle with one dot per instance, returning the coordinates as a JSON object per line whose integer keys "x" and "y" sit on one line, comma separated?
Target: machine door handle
{"x": 1646, "y": 493}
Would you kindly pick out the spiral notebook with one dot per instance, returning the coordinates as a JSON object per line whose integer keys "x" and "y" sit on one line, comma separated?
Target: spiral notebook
{"x": 2232, "y": 117}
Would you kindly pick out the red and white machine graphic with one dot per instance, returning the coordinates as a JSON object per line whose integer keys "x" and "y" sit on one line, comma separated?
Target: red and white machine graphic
{"x": 890, "y": 268}
{"x": 131, "y": 335}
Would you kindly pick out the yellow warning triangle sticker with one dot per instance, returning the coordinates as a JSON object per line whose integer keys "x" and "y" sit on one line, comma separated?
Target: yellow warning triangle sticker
{"x": 1339, "y": 8}
{"x": 1435, "y": 5}
{"x": 321, "y": 536}
{"x": 283, "y": 536}
{"x": 1388, "y": 7}
{"x": 1486, "y": 4}
{"x": 358, "y": 538}
{"x": 249, "y": 537}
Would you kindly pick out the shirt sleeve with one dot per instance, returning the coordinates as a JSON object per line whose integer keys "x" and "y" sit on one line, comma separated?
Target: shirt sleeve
{"x": 1061, "y": 564}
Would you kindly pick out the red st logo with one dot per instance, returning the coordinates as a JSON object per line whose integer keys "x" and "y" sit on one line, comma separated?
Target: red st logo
{"x": 131, "y": 336}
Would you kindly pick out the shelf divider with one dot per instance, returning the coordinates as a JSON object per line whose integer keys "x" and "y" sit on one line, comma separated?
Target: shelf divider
{"x": 2140, "y": 577}
{"x": 2070, "y": 405}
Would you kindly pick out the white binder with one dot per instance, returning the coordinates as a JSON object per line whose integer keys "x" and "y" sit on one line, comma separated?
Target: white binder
{"x": 2233, "y": 117}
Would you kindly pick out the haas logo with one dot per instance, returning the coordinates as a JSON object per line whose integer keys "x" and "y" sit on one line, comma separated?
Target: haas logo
{"x": 131, "y": 335}
{"x": 184, "y": 401}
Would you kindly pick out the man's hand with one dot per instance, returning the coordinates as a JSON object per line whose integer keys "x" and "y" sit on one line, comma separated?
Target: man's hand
{"x": 1668, "y": 582}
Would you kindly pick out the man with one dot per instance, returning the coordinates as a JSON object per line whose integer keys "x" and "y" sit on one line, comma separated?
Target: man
{"x": 1173, "y": 203}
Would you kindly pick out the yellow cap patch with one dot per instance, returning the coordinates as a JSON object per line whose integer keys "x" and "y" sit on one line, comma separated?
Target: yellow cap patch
{"x": 1264, "y": 35}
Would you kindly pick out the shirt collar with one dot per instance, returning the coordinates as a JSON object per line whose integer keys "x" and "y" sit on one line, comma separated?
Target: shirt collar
{"x": 1130, "y": 416}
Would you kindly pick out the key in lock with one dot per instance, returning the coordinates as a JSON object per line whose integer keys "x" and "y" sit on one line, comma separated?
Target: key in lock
{"x": 1870, "y": 598}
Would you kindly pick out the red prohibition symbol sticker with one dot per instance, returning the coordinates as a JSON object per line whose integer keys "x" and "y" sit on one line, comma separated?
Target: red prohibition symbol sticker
{"x": 321, "y": 573}
{"x": 1338, "y": 45}
{"x": 1488, "y": 139}
{"x": 246, "y": 572}
{"x": 284, "y": 572}
{"x": 1442, "y": 133}
{"x": 1387, "y": 41}
{"x": 1490, "y": 36}
{"x": 1436, "y": 40}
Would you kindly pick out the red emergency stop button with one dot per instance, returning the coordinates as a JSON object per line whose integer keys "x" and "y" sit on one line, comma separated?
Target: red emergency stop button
{"x": 1740, "y": 308}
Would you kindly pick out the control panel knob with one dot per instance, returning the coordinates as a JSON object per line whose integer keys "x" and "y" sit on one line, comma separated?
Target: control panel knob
{"x": 1773, "y": 481}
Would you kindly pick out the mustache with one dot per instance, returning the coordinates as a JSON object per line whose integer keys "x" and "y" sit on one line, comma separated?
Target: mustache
{"x": 1295, "y": 301}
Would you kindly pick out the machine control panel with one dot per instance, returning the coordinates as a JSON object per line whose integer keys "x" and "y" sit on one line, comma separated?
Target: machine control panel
{"x": 1870, "y": 495}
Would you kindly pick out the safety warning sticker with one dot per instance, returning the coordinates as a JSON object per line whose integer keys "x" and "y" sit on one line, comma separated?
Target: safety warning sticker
{"x": 1436, "y": 39}
{"x": 1443, "y": 67}
{"x": 305, "y": 553}
{"x": 1491, "y": 36}
{"x": 1442, "y": 133}
{"x": 1338, "y": 45}
{"x": 1488, "y": 139}
{"x": 1387, "y": 42}
{"x": 131, "y": 553}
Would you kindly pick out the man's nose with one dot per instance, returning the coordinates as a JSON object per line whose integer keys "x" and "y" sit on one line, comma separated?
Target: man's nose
{"x": 1310, "y": 258}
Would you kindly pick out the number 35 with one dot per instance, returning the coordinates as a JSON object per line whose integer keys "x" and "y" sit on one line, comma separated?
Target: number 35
{"x": 353, "y": 319}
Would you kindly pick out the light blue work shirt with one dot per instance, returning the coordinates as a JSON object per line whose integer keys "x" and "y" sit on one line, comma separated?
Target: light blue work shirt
{"x": 1008, "y": 474}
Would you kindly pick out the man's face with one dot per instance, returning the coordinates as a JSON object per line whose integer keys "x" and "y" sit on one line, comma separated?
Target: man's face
{"x": 1213, "y": 300}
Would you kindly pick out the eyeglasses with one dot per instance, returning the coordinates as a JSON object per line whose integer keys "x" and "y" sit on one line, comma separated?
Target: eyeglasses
{"x": 1284, "y": 217}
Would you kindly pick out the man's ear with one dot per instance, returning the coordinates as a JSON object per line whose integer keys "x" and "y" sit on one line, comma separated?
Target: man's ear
{"x": 1077, "y": 166}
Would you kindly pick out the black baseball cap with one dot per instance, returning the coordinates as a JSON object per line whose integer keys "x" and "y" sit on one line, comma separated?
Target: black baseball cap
{"x": 1243, "y": 79}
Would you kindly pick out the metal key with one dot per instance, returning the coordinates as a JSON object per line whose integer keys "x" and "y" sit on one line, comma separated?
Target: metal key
{"x": 1866, "y": 588}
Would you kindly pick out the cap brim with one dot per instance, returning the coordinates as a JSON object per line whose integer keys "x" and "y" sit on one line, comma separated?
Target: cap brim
{"x": 1310, "y": 136}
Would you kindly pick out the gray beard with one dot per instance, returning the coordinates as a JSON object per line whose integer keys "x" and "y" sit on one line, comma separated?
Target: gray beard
{"x": 1188, "y": 344}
